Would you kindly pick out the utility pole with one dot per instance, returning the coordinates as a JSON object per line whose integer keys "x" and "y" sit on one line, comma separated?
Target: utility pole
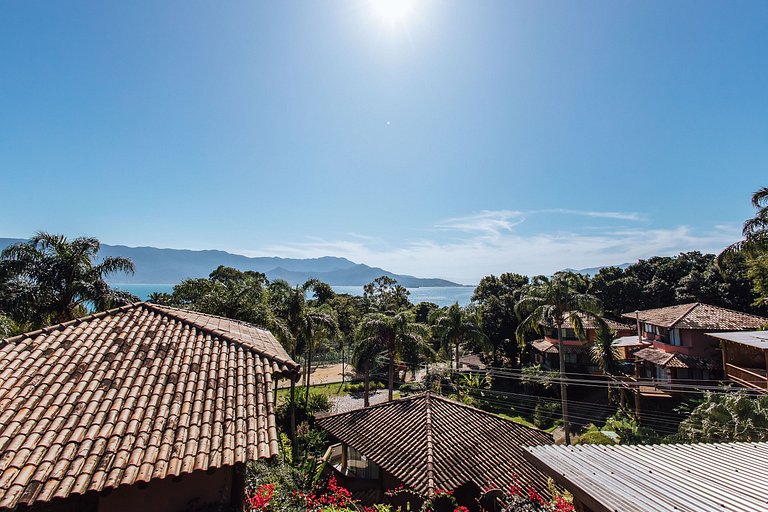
{"x": 563, "y": 387}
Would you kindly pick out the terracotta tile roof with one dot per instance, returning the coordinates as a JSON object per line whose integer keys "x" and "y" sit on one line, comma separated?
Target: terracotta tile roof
{"x": 674, "y": 360}
{"x": 132, "y": 394}
{"x": 590, "y": 323}
{"x": 549, "y": 347}
{"x": 699, "y": 316}
{"x": 472, "y": 361}
{"x": 429, "y": 442}
{"x": 544, "y": 346}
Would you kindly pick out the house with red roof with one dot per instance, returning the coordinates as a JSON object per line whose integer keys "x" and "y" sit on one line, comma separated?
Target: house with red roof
{"x": 679, "y": 349}
{"x": 143, "y": 407}
{"x": 578, "y": 358}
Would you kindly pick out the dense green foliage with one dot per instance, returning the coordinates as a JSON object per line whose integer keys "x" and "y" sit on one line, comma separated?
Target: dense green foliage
{"x": 665, "y": 281}
{"x": 455, "y": 326}
{"x": 51, "y": 279}
{"x": 727, "y": 417}
{"x": 397, "y": 336}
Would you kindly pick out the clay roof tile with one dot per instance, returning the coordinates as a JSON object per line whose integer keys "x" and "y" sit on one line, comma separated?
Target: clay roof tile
{"x": 138, "y": 392}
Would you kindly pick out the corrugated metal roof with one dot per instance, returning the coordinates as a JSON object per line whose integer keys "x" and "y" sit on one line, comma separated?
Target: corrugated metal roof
{"x": 757, "y": 339}
{"x": 660, "y": 478}
{"x": 629, "y": 341}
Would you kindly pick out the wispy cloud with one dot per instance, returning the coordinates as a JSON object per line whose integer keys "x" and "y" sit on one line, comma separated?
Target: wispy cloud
{"x": 469, "y": 257}
{"x": 487, "y": 222}
{"x": 633, "y": 216}
{"x": 496, "y": 223}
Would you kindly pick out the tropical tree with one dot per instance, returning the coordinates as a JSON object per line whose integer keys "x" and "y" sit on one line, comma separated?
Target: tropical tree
{"x": 51, "y": 279}
{"x": 398, "y": 336}
{"x": 755, "y": 230}
{"x": 366, "y": 357}
{"x": 606, "y": 356}
{"x": 349, "y": 310}
{"x": 456, "y": 326}
{"x": 754, "y": 246}
{"x": 728, "y": 417}
{"x": 497, "y": 297}
{"x": 226, "y": 292}
{"x": 553, "y": 304}
{"x": 7, "y": 327}
{"x": 384, "y": 295}
{"x": 306, "y": 325}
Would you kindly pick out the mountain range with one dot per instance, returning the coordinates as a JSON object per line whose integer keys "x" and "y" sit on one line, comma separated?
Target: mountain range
{"x": 170, "y": 266}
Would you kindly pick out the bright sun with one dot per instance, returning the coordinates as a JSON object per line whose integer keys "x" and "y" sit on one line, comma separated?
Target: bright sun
{"x": 393, "y": 12}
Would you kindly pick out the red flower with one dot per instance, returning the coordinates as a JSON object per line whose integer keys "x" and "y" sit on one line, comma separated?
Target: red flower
{"x": 260, "y": 500}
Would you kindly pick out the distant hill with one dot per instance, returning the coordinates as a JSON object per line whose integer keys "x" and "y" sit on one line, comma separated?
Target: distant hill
{"x": 170, "y": 266}
{"x": 592, "y": 271}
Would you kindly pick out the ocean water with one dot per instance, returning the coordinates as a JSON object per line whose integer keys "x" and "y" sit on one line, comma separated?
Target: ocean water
{"x": 442, "y": 296}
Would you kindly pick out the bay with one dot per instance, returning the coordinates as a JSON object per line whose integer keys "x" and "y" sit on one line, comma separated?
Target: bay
{"x": 440, "y": 295}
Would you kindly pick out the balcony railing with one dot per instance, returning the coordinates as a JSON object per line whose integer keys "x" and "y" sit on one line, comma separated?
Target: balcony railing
{"x": 750, "y": 377}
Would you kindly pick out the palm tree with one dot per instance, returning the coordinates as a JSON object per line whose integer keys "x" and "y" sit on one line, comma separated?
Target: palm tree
{"x": 365, "y": 358}
{"x": 555, "y": 303}
{"x": 755, "y": 230}
{"x": 729, "y": 417}
{"x": 606, "y": 356}
{"x": 8, "y": 327}
{"x": 396, "y": 335}
{"x": 456, "y": 326}
{"x": 304, "y": 325}
{"x": 52, "y": 279}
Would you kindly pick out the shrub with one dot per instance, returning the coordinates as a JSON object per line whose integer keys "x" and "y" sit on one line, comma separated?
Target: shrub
{"x": 304, "y": 412}
{"x": 277, "y": 487}
{"x": 629, "y": 431}
{"x": 359, "y": 387}
{"x": 595, "y": 437}
{"x": 412, "y": 388}
{"x": 545, "y": 413}
{"x": 517, "y": 499}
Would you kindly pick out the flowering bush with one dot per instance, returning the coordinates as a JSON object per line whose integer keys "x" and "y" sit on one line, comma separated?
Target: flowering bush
{"x": 282, "y": 488}
{"x": 440, "y": 499}
{"x": 517, "y": 499}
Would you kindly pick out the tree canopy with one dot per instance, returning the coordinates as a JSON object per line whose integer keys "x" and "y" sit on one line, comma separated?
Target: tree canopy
{"x": 51, "y": 279}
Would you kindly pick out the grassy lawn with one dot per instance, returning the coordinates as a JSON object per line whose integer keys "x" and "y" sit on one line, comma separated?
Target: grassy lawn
{"x": 329, "y": 390}
{"x": 518, "y": 419}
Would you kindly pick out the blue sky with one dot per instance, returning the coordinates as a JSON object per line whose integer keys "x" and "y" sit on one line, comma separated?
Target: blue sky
{"x": 460, "y": 139}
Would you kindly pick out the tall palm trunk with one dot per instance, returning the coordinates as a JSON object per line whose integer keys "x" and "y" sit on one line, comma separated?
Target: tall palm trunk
{"x": 292, "y": 412}
{"x": 309, "y": 368}
{"x": 391, "y": 373}
{"x": 366, "y": 385}
{"x": 563, "y": 387}
{"x": 391, "y": 376}
{"x": 458, "y": 343}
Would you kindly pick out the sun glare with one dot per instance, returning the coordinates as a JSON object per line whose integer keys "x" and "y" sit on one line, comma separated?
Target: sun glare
{"x": 393, "y": 12}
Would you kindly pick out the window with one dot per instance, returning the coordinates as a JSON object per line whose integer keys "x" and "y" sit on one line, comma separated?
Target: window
{"x": 359, "y": 466}
{"x": 674, "y": 337}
